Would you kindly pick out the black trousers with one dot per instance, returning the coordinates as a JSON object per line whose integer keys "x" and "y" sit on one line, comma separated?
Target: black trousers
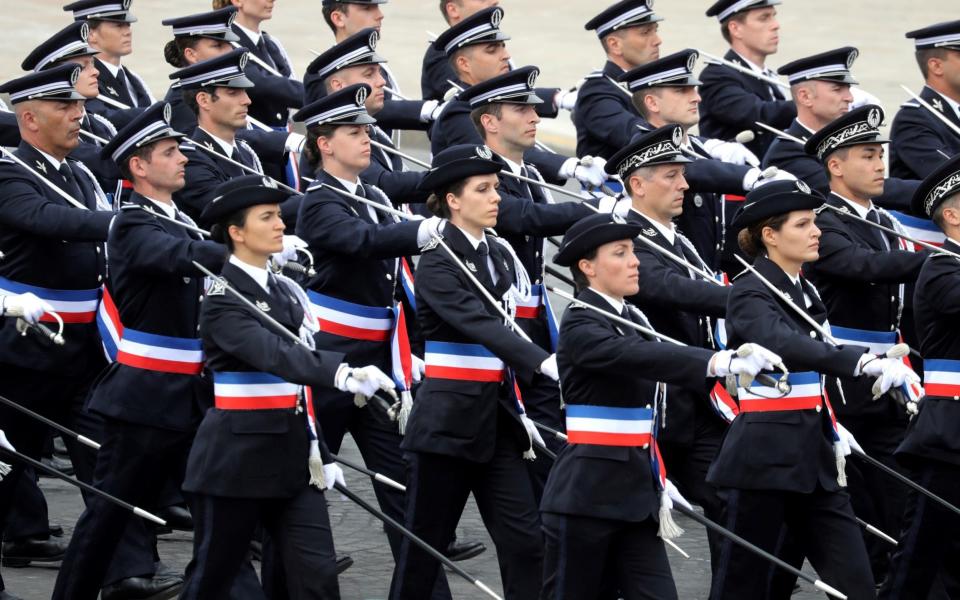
{"x": 821, "y": 524}
{"x": 582, "y": 553}
{"x": 62, "y": 398}
{"x": 687, "y": 467}
{"x": 299, "y": 528}
{"x": 134, "y": 463}
{"x": 28, "y": 517}
{"x": 877, "y": 498}
{"x": 437, "y": 490}
{"x": 930, "y": 541}
{"x": 541, "y": 400}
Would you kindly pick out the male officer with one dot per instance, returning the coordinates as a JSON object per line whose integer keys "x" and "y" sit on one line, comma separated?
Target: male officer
{"x": 151, "y": 306}
{"x": 920, "y": 139}
{"x": 436, "y": 73}
{"x": 861, "y": 274}
{"x": 733, "y": 101}
{"x": 111, "y": 34}
{"x": 820, "y": 87}
{"x": 53, "y": 248}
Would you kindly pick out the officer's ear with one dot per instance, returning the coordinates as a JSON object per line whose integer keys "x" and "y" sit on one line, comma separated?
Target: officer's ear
{"x": 339, "y": 16}
{"x": 587, "y": 267}
{"x": 635, "y": 185}
{"x": 651, "y": 103}
{"x": 27, "y": 115}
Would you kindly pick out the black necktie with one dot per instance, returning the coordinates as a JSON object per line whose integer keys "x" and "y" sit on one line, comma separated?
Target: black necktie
{"x": 803, "y": 298}
{"x": 484, "y": 253}
{"x": 878, "y": 235}
{"x": 72, "y": 187}
{"x": 125, "y": 85}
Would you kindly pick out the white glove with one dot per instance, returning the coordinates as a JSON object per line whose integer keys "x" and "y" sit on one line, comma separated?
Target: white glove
{"x": 430, "y": 110}
{"x": 332, "y": 473}
{"x": 862, "y": 98}
{"x": 289, "y": 252}
{"x": 731, "y": 152}
{"x": 532, "y": 430}
{"x": 26, "y": 306}
{"x": 588, "y": 170}
{"x": 614, "y": 204}
{"x": 748, "y": 359}
{"x": 675, "y": 497}
{"x": 756, "y": 177}
{"x": 549, "y": 367}
{"x": 419, "y": 368}
{"x": 365, "y": 381}
{"x": 294, "y": 142}
{"x": 5, "y": 443}
{"x": 890, "y": 372}
{"x": 847, "y": 441}
{"x": 565, "y": 99}
{"x": 429, "y": 228}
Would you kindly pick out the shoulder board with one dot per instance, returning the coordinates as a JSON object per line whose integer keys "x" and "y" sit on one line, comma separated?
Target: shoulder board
{"x": 741, "y": 274}
{"x": 187, "y": 148}
{"x": 216, "y": 288}
{"x": 594, "y": 74}
{"x": 130, "y": 206}
{"x": 432, "y": 244}
{"x": 910, "y": 104}
{"x": 575, "y": 306}
{"x": 7, "y": 160}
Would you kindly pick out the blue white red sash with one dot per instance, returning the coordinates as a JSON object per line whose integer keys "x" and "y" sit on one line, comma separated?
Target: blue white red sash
{"x": 806, "y": 393}
{"x": 406, "y": 282}
{"x": 878, "y": 342}
{"x": 346, "y": 319}
{"x": 251, "y": 390}
{"x": 401, "y": 361}
{"x": 918, "y": 228}
{"x": 530, "y": 309}
{"x": 941, "y": 377}
{"x": 465, "y": 362}
{"x": 109, "y": 325}
{"x": 720, "y": 325}
{"x": 73, "y": 306}
{"x": 723, "y": 403}
{"x": 609, "y": 425}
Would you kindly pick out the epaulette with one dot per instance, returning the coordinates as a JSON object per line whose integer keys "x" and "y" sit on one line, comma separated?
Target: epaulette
{"x": 187, "y": 148}
{"x": 7, "y": 160}
{"x": 130, "y": 206}
{"x": 910, "y": 104}
{"x": 741, "y": 274}
{"x": 432, "y": 244}
{"x": 594, "y": 74}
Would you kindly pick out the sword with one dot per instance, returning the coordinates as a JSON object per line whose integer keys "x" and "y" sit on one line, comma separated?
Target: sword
{"x": 781, "y": 134}
{"x": 371, "y": 474}
{"x": 887, "y": 230}
{"x": 953, "y": 127}
{"x": 51, "y": 423}
{"x": 710, "y": 58}
{"x": 905, "y": 480}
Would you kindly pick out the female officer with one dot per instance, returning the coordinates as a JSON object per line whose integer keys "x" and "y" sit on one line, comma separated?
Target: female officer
{"x": 780, "y": 468}
{"x": 256, "y": 455}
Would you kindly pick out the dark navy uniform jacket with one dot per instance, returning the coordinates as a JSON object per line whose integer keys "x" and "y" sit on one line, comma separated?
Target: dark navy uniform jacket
{"x": 204, "y": 172}
{"x": 454, "y": 417}
{"x": 916, "y": 136}
{"x": 792, "y": 450}
{"x": 51, "y": 244}
{"x": 789, "y": 156}
{"x": 605, "y": 363}
{"x": 386, "y": 171}
{"x": 858, "y": 279}
{"x": 454, "y": 126}
{"x": 272, "y": 96}
{"x": 156, "y": 290}
{"x": 604, "y": 115}
{"x": 935, "y": 432}
{"x": 436, "y": 75}
{"x": 255, "y": 453}
{"x": 133, "y": 95}
{"x": 734, "y": 101}
{"x": 682, "y": 306}
{"x": 356, "y": 261}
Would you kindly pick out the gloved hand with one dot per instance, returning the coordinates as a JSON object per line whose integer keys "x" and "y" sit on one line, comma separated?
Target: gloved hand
{"x": 675, "y": 497}
{"x": 756, "y": 177}
{"x": 431, "y": 110}
{"x": 890, "y": 372}
{"x": 365, "y": 381}
{"x": 5, "y": 443}
{"x": 731, "y": 152}
{"x": 332, "y": 474}
{"x": 862, "y": 97}
{"x": 587, "y": 170}
{"x": 429, "y": 228}
{"x": 847, "y": 441}
{"x": 532, "y": 430}
{"x": 549, "y": 367}
{"x": 289, "y": 252}
{"x": 294, "y": 142}
{"x": 748, "y": 359}
{"x": 565, "y": 99}
{"x": 614, "y": 204}
{"x": 26, "y": 306}
{"x": 419, "y": 368}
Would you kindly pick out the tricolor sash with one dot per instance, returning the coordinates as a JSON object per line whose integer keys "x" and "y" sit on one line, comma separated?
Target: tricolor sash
{"x": 941, "y": 377}
{"x": 109, "y": 325}
{"x": 73, "y": 306}
{"x": 465, "y": 362}
{"x": 401, "y": 361}
{"x": 878, "y": 342}
{"x": 252, "y": 390}
{"x": 918, "y": 228}
{"x": 723, "y": 403}
{"x": 806, "y": 393}
{"x": 531, "y": 309}
{"x": 406, "y": 282}
{"x": 355, "y": 321}
{"x": 609, "y": 425}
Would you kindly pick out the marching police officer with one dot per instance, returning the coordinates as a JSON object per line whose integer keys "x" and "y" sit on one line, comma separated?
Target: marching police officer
{"x": 436, "y": 73}
{"x": 921, "y": 138}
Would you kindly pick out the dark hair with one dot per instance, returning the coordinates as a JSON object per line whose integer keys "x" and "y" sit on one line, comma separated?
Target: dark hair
{"x": 739, "y": 17}
{"x": 603, "y": 40}
{"x": 495, "y": 109}
{"x": 190, "y": 98}
{"x": 750, "y": 239}
{"x": 437, "y": 202}
{"x": 841, "y": 153}
{"x": 310, "y": 146}
{"x": 218, "y": 4}
{"x": 926, "y": 54}
{"x": 637, "y": 99}
{"x": 579, "y": 279}
{"x": 937, "y": 215}
{"x": 174, "y": 49}
{"x": 144, "y": 153}
{"x": 332, "y": 8}
{"x": 220, "y": 232}
{"x": 443, "y": 9}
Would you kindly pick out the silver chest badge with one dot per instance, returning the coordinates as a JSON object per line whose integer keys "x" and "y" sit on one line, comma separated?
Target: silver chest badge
{"x": 263, "y": 306}
{"x": 471, "y": 266}
{"x": 649, "y": 232}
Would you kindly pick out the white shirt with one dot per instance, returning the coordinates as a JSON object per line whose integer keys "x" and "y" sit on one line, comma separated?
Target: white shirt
{"x": 253, "y": 35}
{"x": 351, "y": 186}
{"x": 953, "y": 104}
{"x": 616, "y": 304}
{"x": 795, "y": 281}
{"x": 805, "y": 127}
{"x": 668, "y": 232}
{"x": 260, "y": 275}
{"x": 476, "y": 244}
{"x": 758, "y": 69}
{"x": 56, "y": 163}
{"x": 227, "y": 147}
{"x": 860, "y": 209}
{"x": 114, "y": 69}
{"x": 514, "y": 167}
{"x": 169, "y": 209}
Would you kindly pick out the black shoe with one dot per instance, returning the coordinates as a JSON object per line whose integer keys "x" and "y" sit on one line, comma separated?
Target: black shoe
{"x": 177, "y": 517}
{"x": 141, "y": 588}
{"x": 458, "y": 551}
{"x": 54, "y": 530}
{"x": 5, "y": 595}
{"x": 60, "y": 464}
{"x": 343, "y": 563}
{"x": 21, "y": 553}
{"x": 59, "y": 448}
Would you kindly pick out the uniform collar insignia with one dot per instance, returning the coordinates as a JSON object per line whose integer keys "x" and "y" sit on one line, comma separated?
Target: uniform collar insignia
{"x": 112, "y": 91}
{"x": 937, "y": 104}
{"x": 470, "y": 266}
{"x": 217, "y": 289}
{"x": 649, "y": 232}
{"x": 42, "y": 166}
{"x": 263, "y": 306}
{"x": 208, "y": 144}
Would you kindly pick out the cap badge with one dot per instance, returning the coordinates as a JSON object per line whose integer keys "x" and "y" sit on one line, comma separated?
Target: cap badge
{"x": 677, "y": 136}
{"x": 126, "y": 4}
{"x": 692, "y": 61}
{"x": 243, "y": 60}
{"x": 84, "y": 31}
{"x": 495, "y": 17}
{"x": 269, "y": 182}
{"x": 802, "y": 186}
{"x": 532, "y": 79}
{"x": 852, "y": 56}
{"x": 361, "y": 96}
{"x": 75, "y": 75}
{"x": 873, "y": 118}
{"x": 167, "y": 112}
{"x": 484, "y": 153}
{"x": 373, "y": 39}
